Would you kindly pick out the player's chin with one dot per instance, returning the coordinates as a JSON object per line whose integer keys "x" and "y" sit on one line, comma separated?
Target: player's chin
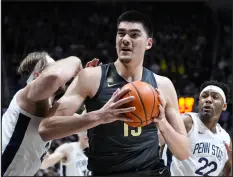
{"x": 207, "y": 114}
{"x": 125, "y": 59}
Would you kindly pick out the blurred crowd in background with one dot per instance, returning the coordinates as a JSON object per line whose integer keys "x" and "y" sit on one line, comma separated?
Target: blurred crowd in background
{"x": 192, "y": 42}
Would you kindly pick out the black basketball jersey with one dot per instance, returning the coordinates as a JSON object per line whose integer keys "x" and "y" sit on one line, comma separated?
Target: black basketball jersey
{"x": 117, "y": 147}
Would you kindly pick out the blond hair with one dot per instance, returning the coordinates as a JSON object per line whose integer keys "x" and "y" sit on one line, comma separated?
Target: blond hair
{"x": 33, "y": 61}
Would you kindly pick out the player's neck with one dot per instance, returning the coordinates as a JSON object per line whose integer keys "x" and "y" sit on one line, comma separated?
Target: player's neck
{"x": 128, "y": 72}
{"x": 210, "y": 124}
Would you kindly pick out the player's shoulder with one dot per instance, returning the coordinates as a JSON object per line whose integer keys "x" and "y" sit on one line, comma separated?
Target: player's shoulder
{"x": 161, "y": 78}
{"x": 185, "y": 116}
{"x": 89, "y": 71}
{"x": 17, "y": 100}
{"x": 188, "y": 120}
{"x": 163, "y": 81}
{"x": 90, "y": 74}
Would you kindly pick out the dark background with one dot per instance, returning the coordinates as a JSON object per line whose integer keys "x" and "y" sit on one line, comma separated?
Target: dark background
{"x": 192, "y": 41}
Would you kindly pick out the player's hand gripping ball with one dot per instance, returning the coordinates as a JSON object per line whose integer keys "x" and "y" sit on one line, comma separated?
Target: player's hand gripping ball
{"x": 146, "y": 102}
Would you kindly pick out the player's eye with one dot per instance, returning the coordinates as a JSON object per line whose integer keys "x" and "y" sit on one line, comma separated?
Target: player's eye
{"x": 204, "y": 95}
{"x": 121, "y": 34}
{"x": 215, "y": 97}
{"x": 134, "y": 35}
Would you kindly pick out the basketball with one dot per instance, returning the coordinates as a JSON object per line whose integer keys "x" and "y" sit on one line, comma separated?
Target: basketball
{"x": 146, "y": 102}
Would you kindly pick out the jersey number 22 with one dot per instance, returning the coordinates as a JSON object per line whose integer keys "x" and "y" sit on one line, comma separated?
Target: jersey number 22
{"x": 213, "y": 166}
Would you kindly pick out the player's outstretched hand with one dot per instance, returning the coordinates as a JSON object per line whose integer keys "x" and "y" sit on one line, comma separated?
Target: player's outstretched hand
{"x": 161, "y": 107}
{"x": 113, "y": 109}
{"x": 93, "y": 63}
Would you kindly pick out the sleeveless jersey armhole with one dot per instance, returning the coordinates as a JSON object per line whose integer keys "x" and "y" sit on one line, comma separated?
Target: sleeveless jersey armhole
{"x": 154, "y": 80}
{"x": 193, "y": 125}
{"x": 16, "y": 106}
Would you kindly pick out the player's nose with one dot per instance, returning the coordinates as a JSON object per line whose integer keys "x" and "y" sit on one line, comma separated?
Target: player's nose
{"x": 126, "y": 40}
{"x": 208, "y": 100}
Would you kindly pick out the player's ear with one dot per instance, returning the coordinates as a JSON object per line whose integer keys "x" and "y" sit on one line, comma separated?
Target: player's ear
{"x": 36, "y": 74}
{"x": 149, "y": 43}
{"x": 224, "y": 107}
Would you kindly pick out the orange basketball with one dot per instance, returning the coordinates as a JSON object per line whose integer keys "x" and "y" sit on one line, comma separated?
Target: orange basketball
{"x": 146, "y": 102}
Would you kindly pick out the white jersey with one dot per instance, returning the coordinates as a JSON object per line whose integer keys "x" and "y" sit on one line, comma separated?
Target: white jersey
{"x": 22, "y": 147}
{"x": 209, "y": 154}
{"x": 76, "y": 163}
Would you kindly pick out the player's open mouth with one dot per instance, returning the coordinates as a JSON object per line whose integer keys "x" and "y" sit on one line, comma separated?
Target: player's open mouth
{"x": 126, "y": 52}
{"x": 207, "y": 108}
{"x": 126, "y": 49}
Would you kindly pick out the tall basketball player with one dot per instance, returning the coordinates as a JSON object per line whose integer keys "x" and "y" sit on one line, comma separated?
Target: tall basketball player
{"x": 22, "y": 147}
{"x": 210, "y": 143}
{"x": 73, "y": 161}
{"x": 116, "y": 148}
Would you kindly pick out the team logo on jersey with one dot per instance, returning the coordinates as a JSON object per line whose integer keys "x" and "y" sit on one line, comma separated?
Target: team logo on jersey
{"x": 112, "y": 85}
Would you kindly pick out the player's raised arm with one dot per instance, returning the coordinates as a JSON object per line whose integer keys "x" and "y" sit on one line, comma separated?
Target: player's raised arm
{"x": 58, "y": 155}
{"x": 61, "y": 120}
{"x": 55, "y": 75}
{"x": 170, "y": 123}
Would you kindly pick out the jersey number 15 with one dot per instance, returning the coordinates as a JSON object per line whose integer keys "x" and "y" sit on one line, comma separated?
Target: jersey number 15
{"x": 132, "y": 132}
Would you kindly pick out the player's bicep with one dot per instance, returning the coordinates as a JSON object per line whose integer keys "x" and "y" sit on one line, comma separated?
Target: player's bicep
{"x": 174, "y": 119}
{"x": 172, "y": 98}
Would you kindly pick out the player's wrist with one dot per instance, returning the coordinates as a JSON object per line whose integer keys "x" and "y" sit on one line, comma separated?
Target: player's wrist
{"x": 96, "y": 116}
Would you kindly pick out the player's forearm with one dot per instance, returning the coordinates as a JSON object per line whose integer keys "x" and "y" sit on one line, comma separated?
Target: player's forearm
{"x": 51, "y": 160}
{"x": 177, "y": 143}
{"x": 53, "y": 78}
{"x": 61, "y": 126}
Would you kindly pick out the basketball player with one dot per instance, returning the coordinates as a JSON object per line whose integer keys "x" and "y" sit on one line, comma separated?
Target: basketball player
{"x": 73, "y": 161}
{"x": 22, "y": 147}
{"x": 116, "y": 148}
{"x": 209, "y": 141}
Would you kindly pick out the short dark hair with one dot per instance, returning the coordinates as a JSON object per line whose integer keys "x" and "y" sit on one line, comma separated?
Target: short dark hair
{"x": 224, "y": 87}
{"x": 136, "y": 16}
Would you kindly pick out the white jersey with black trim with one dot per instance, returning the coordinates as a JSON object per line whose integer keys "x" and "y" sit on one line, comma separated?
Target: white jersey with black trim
{"x": 209, "y": 154}
{"x": 22, "y": 147}
{"x": 76, "y": 163}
